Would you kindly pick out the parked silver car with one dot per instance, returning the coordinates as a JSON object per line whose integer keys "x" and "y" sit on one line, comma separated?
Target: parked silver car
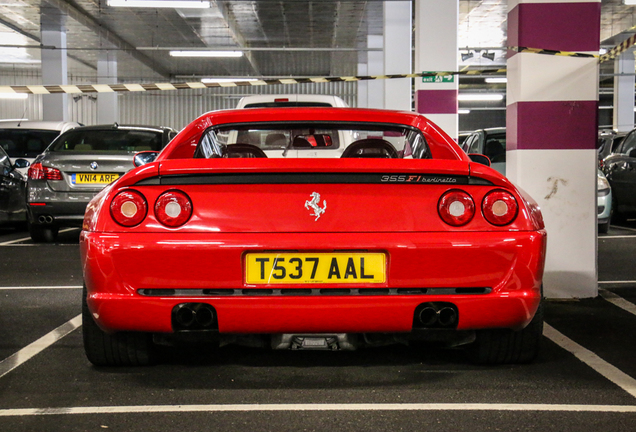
{"x": 77, "y": 165}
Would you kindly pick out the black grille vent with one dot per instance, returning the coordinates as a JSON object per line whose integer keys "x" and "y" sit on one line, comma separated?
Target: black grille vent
{"x": 310, "y": 292}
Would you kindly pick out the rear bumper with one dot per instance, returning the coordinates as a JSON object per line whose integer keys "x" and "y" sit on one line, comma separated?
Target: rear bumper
{"x": 117, "y": 266}
{"x": 66, "y": 208}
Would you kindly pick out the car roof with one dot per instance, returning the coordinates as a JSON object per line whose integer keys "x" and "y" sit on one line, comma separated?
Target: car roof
{"x": 333, "y": 100}
{"x": 116, "y": 126}
{"x": 313, "y": 114}
{"x": 34, "y": 124}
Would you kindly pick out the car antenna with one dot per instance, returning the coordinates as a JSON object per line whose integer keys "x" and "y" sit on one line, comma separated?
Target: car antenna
{"x": 23, "y": 114}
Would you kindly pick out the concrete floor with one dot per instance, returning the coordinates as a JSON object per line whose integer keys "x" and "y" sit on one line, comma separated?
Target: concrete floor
{"x": 583, "y": 380}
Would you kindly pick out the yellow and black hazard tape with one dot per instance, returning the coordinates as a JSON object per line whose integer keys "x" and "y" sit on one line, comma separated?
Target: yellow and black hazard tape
{"x": 109, "y": 88}
{"x": 618, "y": 49}
{"x": 552, "y": 52}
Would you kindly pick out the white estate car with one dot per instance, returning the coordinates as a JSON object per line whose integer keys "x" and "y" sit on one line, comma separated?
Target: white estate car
{"x": 291, "y": 100}
{"x": 27, "y": 139}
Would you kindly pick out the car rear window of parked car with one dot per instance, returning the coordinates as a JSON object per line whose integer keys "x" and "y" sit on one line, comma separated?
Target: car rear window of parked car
{"x": 24, "y": 142}
{"x": 118, "y": 140}
{"x": 315, "y": 140}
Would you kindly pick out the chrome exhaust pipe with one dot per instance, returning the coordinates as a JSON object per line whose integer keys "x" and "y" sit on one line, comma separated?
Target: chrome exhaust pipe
{"x": 428, "y": 316}
{"x": 49, "y": 219}
{"x": 447, "y": 317}
{"x": 42, "y": 219}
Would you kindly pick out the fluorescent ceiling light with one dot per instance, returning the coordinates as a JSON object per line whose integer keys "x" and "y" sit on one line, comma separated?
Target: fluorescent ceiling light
{"x": 13, "y": 95}
{"x": 175, "y": 4}
{"x": 224, "y": 80}
{"x": 497, "y": 80}
{"x": 629, "y": 2}
{"x": 480, "y": 97}
{"x": 463, "y": 111}
{"x": 204, "y": 53}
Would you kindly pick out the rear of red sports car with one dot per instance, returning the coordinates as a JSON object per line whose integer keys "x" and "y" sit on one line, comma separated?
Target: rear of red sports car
{"x": 312, "y": 229}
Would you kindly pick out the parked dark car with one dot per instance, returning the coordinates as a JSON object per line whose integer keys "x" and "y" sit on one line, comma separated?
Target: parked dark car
{"x": 489, "y": 142}
{"x": 76, "y": 166}
{"x": 620, "y": 169}
{"x": 12, "y": 190}
{"x": 608, "y": 142}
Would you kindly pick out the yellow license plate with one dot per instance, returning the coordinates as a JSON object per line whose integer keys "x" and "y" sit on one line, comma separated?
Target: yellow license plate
{"x": 93, "y": 178}
{"x": 315, "y": 268}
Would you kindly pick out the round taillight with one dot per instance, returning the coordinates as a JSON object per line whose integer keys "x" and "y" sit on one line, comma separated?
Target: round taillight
{"x": 129, "y": 208}
{"x": 456, "y": 207}
{"x": 173, "y": 208}
{"x": 499, "y": 207}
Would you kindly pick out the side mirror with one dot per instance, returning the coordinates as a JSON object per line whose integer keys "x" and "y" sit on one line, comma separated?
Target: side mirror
{"x": 21, "y": 163}
{"x": 145, "y": 157}
{"x": 479, "y": 158}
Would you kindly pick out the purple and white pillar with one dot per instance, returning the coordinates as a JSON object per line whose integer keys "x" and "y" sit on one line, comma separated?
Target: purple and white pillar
{"x": 551, "y": 120}
{"x": 436, "y": 50}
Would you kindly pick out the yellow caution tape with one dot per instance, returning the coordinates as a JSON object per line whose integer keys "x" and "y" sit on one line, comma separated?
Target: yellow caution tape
{"x": 109, "y": 88}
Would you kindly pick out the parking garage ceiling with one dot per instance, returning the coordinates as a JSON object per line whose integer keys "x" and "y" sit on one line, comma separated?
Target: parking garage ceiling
{"x": 279, "y": 38}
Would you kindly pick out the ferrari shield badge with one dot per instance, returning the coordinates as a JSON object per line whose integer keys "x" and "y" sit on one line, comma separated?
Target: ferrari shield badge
{"x": 314, "y": 204}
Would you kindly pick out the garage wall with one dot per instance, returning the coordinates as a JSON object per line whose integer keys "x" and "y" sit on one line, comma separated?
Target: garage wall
{"x": 170, "y": 108}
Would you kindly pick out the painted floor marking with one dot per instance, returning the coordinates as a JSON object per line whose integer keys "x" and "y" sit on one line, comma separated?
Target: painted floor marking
{"x": 11, "y": 242}
{"x": 26, "y": 353}
{"x": 617, "y": 237}
{"x": 610, "y": 372}
{"x": 623, "y": 228}
{"x": 315, "y": 407}
{"x": 40, "y": 287}
{"x": 616, "y": 282}
{"x": 618, "y": 301}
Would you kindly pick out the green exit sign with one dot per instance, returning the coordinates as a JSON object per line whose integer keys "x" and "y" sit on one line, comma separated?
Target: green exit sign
{"x": 438, "y": 78}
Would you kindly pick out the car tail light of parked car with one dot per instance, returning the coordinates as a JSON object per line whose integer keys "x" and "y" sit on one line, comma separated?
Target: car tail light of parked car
{"x": 456, "y": 208}
{"x": 129, "y": 208}
{"x": 499, "y": 207}
{"x": 40, "y": 172}
{"x": 173, "y": 208}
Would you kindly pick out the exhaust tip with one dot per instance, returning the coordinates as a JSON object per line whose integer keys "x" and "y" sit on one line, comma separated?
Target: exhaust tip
{"x": 204, "y": 317}
{"x": 194, "y": 316}
{"x": 185, "y": 316}
{"x": 447, "y": 317}
{"x": 428, "y": 316}
{"x": 433, "y": 315}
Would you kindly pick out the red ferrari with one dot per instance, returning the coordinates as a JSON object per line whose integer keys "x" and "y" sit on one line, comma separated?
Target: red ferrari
{"x": 312, "y": 228}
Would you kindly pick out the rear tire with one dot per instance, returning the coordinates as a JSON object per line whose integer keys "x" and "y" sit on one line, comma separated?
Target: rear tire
{"x": 117, "y": 349}
{"x": 40, "y": 234}
{"x": 501, "y": 346}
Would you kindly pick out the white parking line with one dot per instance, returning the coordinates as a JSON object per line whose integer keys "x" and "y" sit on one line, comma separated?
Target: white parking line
{"x": 617, "y": 237}
{"x": 624, "y": 228}
{"x": 618, "y": 301}
{"x": 316, "y": 407}
{"x": 40, "y": 287}
{"x": 616, "y": 282}
{"x": 11, "y": 242}
{"x": 26, "y": 353}
{"x": 610, "y": 372}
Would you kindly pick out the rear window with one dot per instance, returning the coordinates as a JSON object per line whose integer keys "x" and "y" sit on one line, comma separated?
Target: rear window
{"x": 108, "y": 141}
{"x": 287, "y": 104}
{"x": 26, "y": 142}
{"x": 312, "y": 140}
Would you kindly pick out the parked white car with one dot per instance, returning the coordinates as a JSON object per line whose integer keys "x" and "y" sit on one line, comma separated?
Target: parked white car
{"x": 27, "y": 139}
{"x": 291, "y": 100}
